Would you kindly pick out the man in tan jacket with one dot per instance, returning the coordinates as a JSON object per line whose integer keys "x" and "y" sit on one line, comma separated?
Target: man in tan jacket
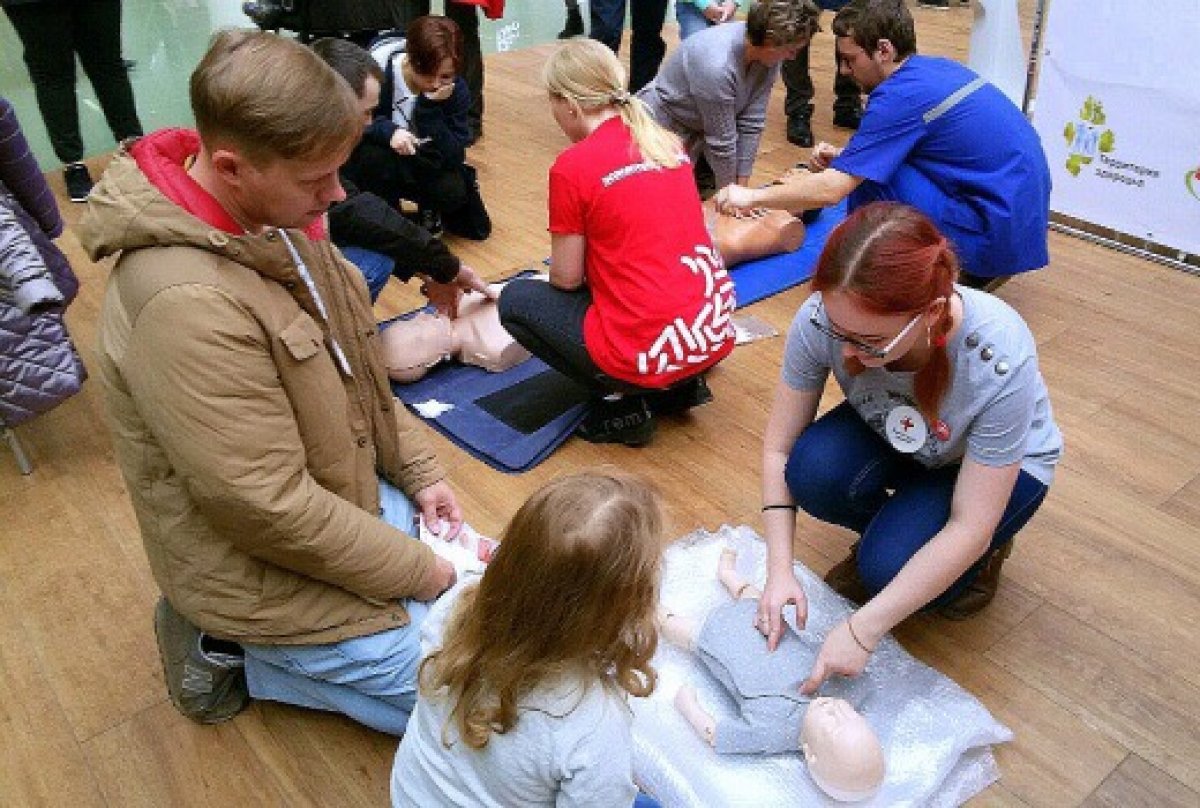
{"x": 267, "y": 461}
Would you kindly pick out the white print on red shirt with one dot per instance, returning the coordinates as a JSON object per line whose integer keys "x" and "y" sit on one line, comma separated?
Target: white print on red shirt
{"x": 680, "y": 343}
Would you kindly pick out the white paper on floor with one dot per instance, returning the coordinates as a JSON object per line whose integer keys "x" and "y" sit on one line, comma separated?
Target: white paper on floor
{"x": 432, "y": 408}
{"x": 936, "y": 737}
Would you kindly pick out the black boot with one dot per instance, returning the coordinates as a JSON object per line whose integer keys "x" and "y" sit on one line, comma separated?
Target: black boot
{"x": 574, "y": 26}
{"x": 799, "y": 131}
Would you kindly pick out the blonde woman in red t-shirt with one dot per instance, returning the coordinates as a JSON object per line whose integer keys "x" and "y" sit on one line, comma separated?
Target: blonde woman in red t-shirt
{"x": 638, "y": 303}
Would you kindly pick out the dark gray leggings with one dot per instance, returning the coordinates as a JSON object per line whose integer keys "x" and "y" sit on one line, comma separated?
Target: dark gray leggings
{"x": 549, "y": 322}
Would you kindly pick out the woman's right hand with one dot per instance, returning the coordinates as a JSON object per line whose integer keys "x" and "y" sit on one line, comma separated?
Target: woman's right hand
{"x": 404, "y": 143}
{"x": 781, "y": 589}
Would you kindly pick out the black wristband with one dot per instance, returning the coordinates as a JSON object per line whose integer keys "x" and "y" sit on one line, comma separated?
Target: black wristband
{"x": 780, "y": 507}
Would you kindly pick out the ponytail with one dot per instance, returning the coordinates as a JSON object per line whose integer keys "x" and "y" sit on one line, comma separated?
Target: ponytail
{"x": 589, "y": 76}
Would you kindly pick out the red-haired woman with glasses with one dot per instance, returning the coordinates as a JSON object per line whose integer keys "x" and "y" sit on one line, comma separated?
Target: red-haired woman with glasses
{"x": 943, "y": 449}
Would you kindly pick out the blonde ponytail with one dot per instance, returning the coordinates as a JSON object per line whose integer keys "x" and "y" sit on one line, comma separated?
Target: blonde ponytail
{"x": 588, "y": 75}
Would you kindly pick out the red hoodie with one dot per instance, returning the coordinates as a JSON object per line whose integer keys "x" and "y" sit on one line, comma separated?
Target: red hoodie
{"x": 163, "y": 157}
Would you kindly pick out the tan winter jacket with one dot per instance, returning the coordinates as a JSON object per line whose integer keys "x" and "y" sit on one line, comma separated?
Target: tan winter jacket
{"x": 249, "y": 456}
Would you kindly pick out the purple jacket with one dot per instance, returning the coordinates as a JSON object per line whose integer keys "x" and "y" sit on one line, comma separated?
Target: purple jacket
{"x": 39, "y": 366}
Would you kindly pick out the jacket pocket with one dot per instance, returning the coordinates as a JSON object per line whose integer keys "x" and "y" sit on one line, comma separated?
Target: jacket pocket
{"x": 303, "y": 338}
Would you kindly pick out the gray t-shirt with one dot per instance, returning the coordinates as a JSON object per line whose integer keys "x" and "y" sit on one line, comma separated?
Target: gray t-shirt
{"x": 996, "y": 412}
{"x": 572, "y": 745}
{"x": 765, "y": 685}
{"x": 706, "y": 89}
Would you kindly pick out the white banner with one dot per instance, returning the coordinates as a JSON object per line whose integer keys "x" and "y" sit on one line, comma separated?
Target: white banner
{"x": 1118, "y": 111}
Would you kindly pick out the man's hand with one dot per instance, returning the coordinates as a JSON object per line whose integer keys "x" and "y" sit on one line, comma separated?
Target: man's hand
{"x": 439, "y": 509}
{"x": 441, "y": 93}
{"x": 736, "y": 200}
{"x": 404, "y": 143}
{"x": 441, "y": 577}
{"x": 822, "y": 155}
{"x": 446, "y": 296}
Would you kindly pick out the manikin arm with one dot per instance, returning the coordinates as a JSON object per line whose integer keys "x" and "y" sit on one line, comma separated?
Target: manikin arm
{"x": 699, "y": 718}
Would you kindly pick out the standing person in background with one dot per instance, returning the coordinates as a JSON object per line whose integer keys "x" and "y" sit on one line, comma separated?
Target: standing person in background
{"x": 694, "y": 16}
{"x": 713, "y": 91}
{"x": 574, "y": 23}
{"x": 646, "y": 45}
{"x": 52, "y": 32}
{"x": 797, "y": 103}
{"x": 638, "y": 304}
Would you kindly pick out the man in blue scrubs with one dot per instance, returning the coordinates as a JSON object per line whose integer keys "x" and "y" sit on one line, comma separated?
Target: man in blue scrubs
{"x": 935, "y": 136}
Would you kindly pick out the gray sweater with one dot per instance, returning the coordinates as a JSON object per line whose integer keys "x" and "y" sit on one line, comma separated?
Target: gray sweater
{"x": 765, "y": 685}
{"x": 706, "y": 91}
{"x": 572, "y": 746}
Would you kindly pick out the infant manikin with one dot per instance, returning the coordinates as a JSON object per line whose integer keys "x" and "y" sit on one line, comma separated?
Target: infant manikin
{"x": 411, "y": 347}
{"x": 844, "y": 756}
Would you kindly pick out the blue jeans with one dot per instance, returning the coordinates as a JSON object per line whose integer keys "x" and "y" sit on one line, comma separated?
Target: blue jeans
{"x": 375, "y": 267}
{"x": 371, "y": 679}
{"x": 842, "y": 472}
{"x": 691, "y": 19}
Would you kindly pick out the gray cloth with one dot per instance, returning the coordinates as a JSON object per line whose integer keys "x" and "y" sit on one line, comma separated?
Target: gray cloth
{"x": 997, "y": 409}
{"x": 765, "y": 685}
{"x": 572, "y": 746}
{"x": 706, "y": 91}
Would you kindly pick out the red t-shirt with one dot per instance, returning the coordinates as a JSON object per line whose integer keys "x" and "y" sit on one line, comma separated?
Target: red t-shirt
{"x": 662, "y": 300}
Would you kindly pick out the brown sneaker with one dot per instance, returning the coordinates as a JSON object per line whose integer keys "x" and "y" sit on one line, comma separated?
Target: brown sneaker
{"x": 843, "y": 578}
{"x": 981, "y": 591}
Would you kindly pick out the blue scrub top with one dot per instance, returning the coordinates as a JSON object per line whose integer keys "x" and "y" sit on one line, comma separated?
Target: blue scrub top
{"x": 980, "y": 155}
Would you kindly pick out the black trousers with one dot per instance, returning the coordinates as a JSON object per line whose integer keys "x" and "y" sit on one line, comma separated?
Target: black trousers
{"x": 52, "y": 34}
{"x": 377, "y": 169}
{"x": 798, "y": 100}
{"x": 646, "y": 43}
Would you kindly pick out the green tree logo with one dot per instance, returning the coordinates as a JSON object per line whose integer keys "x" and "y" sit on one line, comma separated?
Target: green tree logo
{"x": 1087, "y": 136}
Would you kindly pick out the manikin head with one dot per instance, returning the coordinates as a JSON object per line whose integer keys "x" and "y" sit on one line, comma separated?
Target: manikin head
{"x": 475, "y": 337}
{"x": 843, "y": 754}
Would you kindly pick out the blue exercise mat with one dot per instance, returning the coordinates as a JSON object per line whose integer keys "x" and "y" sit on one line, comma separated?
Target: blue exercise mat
{"x": 759, "y": 279}
{"x": 510, "y": 420}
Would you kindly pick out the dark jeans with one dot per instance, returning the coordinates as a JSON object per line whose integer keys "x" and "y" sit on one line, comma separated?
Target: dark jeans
{"x": 798, "y": 100}
{"x": 378, "y": 169}
{"x": 646, "y": 45}
{"x": 842, "y": 472}
{"x": 52, "y": 33}
{"x": 549, "y": 323}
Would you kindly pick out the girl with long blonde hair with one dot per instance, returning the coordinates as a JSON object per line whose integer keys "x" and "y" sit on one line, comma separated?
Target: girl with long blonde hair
{"x": 524, "y": 702}
{"x": 638, "y": 304}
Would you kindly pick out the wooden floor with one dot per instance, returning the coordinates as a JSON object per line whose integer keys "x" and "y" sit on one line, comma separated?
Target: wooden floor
{"x": 1091, "y": 652}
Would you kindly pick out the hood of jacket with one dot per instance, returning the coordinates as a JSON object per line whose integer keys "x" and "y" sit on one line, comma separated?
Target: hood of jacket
{"x": 146, "y": 198}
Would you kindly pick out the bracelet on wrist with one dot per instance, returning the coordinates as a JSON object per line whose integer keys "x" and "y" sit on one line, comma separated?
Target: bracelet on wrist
{"x": 779, "y": 507}
{"x": 854, "y": 635}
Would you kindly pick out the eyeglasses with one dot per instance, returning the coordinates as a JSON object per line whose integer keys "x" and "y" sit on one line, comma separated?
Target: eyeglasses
{"x": 873, "y": 351}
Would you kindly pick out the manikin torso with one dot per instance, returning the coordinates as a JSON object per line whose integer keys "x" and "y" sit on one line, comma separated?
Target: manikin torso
{"x": 476, "y": 337}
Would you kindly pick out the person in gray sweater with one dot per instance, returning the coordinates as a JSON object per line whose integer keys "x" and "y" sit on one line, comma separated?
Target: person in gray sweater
{"x": 713, "y": 90}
